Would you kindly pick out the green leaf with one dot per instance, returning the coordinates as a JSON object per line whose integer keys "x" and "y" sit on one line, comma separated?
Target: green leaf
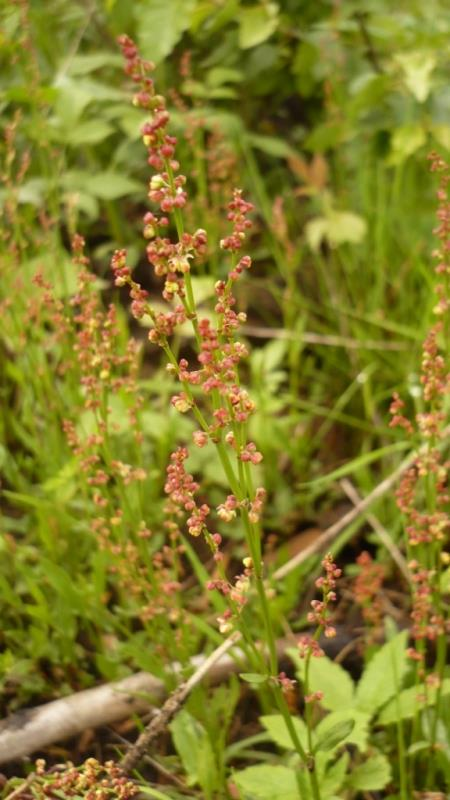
{"x": 373, "y": 775}
{"x": 410, "y": 701}
{"x": 160, "y": 25}
{"x": 336, "y": 228}
{"x": 271, "y": 145}
{"x": 86, "y": 63}
{"x": 442, "y": 134}
{"x": 334, "y": 777}
{"x": 383, "y": 676}
{"x": 155, "y": 793}
{"x": 253, "y": 677}
{"x": 337, "y": 733}
{"x": 266, "y": 782}
{"x": 32, "y": 191}
{"x": 217, "y": 76}
{"x": 194, "y": 748}
{"x": 90, "y": 132}
{"x": 277, "y": 730}
{"x": 62, "y": 484}
{"x": 71, "y": 101}
{"x": 111, "y": 185}
{"x": 418, "y": 67}
{"x": 256, "y": 24}
{"x": 405, "y": 141}
{"x": 359, "y": 732}
{"x": 329, "y": 678}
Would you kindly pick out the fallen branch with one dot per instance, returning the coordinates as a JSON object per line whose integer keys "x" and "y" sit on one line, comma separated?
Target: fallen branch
{"x": 33, "y": 729}
{"x": 329, "y": 340}
{"x": 173, "y": 703}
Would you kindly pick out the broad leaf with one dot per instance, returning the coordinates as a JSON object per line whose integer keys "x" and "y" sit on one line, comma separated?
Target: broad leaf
{"x": 373, "y": 775}
{"x": 89, "y": 132}
{"x": 277, "y": 730}
{"x": 336, "y": 228}
{"x": 256, "y": 24}
{"x": 111, "y": 185}
{"x": 194, "y": 748}
{"x": 160, "y": 25}
{"x": 410, "y": 701}
{"x": 329, "y": 678}
{"x": 265, "y": 782}
{"x": 357, "y": 735}
{"x": 253, "y": 677}
{"x": 335, "y": 735}
{"x": 384, "y": 675}
{"x": 405, "y": 141}
{"x": 334, "y": 777}
{"x": 418, "y": 67}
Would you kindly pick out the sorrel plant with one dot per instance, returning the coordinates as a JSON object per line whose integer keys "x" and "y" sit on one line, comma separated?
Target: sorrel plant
{"x": 211, "y": 389}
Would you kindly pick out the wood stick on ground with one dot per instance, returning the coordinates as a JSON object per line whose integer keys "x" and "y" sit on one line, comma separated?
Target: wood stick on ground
{"x": 33, "y": 729}
{"x": 172, "y": 705}
{"x": 379, "y": 529}
{"x": 323, "y": 339}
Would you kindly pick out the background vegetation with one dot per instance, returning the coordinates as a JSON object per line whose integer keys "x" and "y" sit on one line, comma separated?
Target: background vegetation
{"x": 323, "y": 113}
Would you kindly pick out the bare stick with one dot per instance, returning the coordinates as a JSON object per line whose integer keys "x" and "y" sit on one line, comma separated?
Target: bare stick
{"x": 328, "y": 340}
{"x": 379, "y": 529}
{"x": 173, "y": 704}
{"x": 33, "y": 729}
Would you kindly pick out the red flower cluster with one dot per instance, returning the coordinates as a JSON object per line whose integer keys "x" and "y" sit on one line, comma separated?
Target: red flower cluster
{"x": 366, "y": 588}
{"x": 320, "y": 614}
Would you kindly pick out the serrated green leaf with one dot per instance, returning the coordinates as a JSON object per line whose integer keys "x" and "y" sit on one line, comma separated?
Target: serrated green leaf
{"x": 277, "y": 730}
{"x": 329, "y": 678}
{"x": 373, "y": 775}
{"x": 256, "y": 24}
{"x": 266, "y": 782}
{"x": 383, "y": 676}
